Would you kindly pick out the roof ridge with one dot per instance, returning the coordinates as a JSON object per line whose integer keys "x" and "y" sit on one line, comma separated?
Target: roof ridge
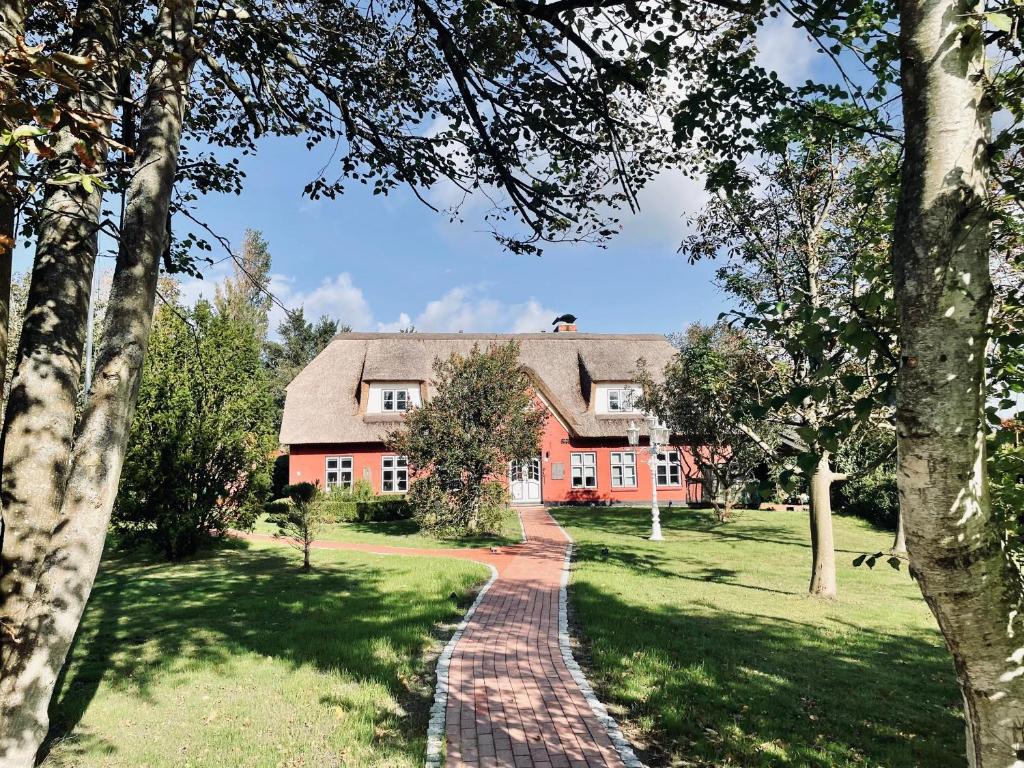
{"x": 430, "y": 336}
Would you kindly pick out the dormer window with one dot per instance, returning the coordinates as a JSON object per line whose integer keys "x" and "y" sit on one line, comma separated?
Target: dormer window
{"x": 395, "y": 400}
{"x": 614, "y": 399}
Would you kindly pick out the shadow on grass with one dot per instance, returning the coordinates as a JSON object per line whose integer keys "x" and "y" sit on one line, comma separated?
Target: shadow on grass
{"x": 730, "y": 688}
{"x": 405, "y": 528}
{"x": 635, "y": 521}
{"x": 144, "y": 619}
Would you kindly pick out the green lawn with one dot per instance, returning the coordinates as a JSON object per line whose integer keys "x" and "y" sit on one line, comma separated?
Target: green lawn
{"x": 406, "y": 533}
{"x": 708, "y": 646}
{"x": 239, "y": 659}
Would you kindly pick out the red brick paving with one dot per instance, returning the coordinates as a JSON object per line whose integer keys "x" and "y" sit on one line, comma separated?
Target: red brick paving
{"x": 512, "y": 702}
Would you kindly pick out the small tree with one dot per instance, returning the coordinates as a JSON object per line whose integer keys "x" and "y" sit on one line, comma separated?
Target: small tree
{"x": 299, "y": 517}
{"x": 483, "y": 416}
{"x": 706, "y": 399}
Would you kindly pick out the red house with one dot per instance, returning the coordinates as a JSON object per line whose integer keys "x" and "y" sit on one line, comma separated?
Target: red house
{"x": 340, "y": 406}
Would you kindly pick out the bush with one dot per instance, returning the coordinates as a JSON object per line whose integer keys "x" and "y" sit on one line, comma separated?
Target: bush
{"x": 299, "y": 517}
{"x": 383, "y": 509}
{"x": 338, "y": 507}
{"x": 444, "y": 510}
{"x": 449, "y": 461}
{"x": 494, "y": 504}
{"x": 871, "y": 496}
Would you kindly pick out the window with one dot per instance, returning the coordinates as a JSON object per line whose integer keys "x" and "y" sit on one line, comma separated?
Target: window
{"x": 622, "y": 400}
{"x": 339, "y": 472}
{"x": 394, "y": 475}
{"x": 623, "y": 469}
{"x": 395, "y": 399}
{"x": 668, "y": 468}
{"x": 584, "y": 470}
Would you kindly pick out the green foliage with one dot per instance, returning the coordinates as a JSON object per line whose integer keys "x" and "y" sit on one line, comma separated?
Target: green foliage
{"x": 482, "y": 416}
{"x": 243, "y": 295}
{"x": 198, "y": 459}
{"x": 1006, "y": 484}
{"x": 805, "y": 249}
{"x": 869, "y": 492}
{"x": 300, "y": 518}
{"x": 384, "y": 509}
{"x": 279, "y": 476}
{"x": 711, "y": 399}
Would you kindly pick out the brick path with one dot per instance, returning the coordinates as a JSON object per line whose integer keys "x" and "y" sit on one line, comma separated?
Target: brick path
{"x": 512, "y": 701}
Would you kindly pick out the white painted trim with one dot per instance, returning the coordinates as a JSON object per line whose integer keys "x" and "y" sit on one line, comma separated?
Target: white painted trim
{"x": 619, "y": 741}
{"x": 436, "y": 726}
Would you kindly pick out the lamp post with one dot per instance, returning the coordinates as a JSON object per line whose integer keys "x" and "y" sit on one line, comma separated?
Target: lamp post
{"x": 659, "y": 439}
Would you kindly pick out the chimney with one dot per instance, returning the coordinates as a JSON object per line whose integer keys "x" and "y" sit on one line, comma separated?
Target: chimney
{"x": 565, "y": 328}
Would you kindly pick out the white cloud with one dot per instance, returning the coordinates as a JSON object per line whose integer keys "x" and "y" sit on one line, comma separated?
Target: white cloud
{"x": 462, "y": 308}
{"x": 785, "y": 50}
{"x": 665, "y": 204}
{"x": 337, "y": 297}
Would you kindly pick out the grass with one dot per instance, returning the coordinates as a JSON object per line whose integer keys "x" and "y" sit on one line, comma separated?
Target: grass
{"x": 406, "y": 533}
{"x": 710, "y": 648}
{"x": 239, "y": 659}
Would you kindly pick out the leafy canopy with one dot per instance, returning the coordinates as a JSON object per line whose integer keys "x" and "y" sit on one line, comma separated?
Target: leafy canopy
{"x": 482, "y": 415}
{"x": 198, "y": 459}
{"x": 708, "y": 398}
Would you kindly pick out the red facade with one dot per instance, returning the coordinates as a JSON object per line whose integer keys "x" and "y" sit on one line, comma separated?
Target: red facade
{"x": 308, "y": 463}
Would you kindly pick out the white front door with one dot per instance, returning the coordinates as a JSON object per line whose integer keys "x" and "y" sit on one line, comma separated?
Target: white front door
{"x": 524, "y": 481}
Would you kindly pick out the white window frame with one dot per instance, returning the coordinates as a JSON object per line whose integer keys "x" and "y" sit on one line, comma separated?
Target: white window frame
{"x": 583, "y": 461}
{"x": 669, "y": 462}
{"x": 398, "y": 467}
{"x": 395, "y": 397}
{"x": 621, "y": 399}
{"x": 623, "y": 464}
{"x": 340, "y": 470}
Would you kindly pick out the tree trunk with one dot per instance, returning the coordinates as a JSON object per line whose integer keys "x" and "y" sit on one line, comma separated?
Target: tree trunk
{"x": 899, "y": 543}
{"x": 823, "y": 550}
{"x": 943, "y": 297}
{"x": 305, "y": 556}
{"x": 40, "y": 417}
{"x": 12, "y": 26}
{"x": 74, "y": 556}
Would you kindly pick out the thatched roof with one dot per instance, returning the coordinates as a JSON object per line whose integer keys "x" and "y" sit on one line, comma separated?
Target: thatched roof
{"x": 323, "y": 402}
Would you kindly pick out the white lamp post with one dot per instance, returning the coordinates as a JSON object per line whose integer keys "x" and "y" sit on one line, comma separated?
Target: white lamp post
{"x": 659, "y": 438}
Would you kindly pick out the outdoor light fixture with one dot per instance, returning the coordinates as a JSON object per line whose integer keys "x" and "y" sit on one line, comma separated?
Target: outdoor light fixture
{"x": 633, "y": 434}
{"x": 659, "y": 438}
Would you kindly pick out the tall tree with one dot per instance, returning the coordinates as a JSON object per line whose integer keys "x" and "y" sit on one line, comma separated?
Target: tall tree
{"x": 198, "y": 459}
{"x": 805, "y": 243}
{"x": 245, "y": 293}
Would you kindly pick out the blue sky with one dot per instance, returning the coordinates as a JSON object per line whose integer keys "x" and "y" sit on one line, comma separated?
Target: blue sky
{"x": 384, "y": 263}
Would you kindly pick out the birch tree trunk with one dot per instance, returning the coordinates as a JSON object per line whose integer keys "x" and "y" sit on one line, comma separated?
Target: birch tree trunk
{"x": 12, "y": 26}
{"x": 943, "y": 294}
{"x": 74, "y": 555}
{"x": 823, "y": 548}
{"x": 40, "y": 416}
